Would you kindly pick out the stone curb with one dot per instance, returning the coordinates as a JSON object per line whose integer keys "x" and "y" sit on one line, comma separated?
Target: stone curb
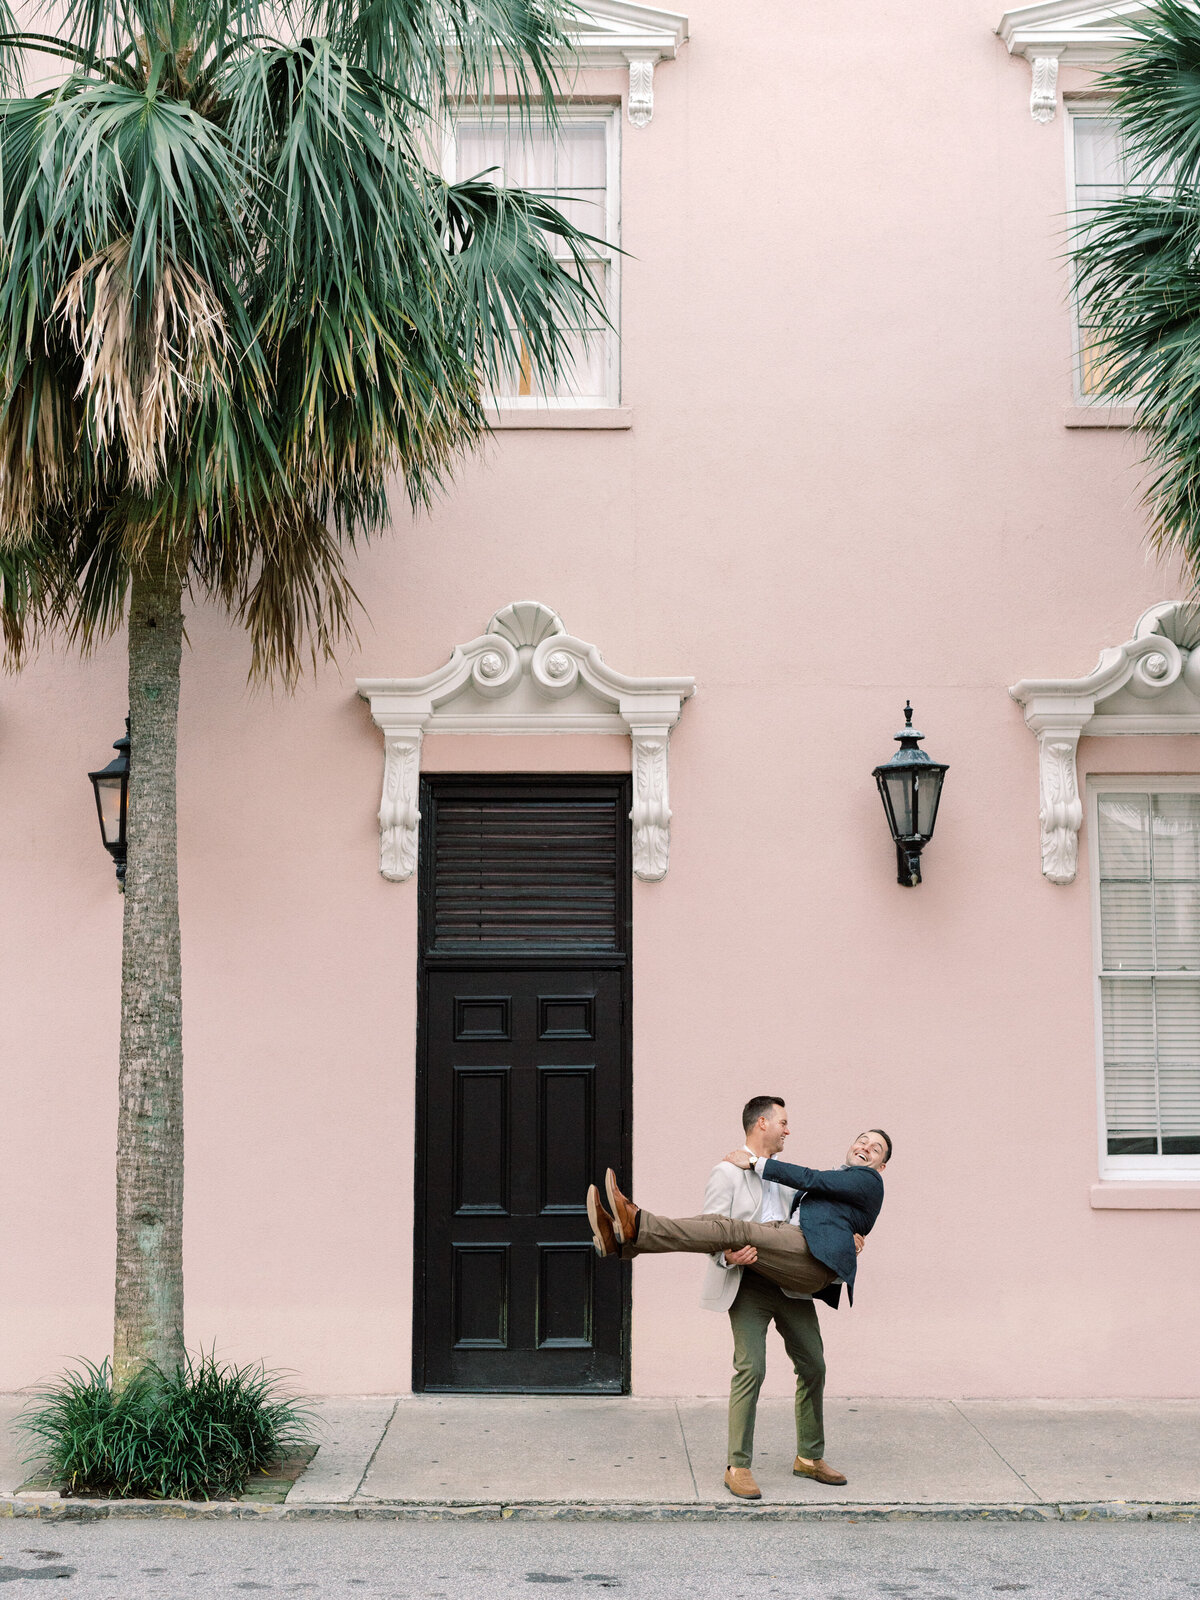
{"x": 46, "y": 1509}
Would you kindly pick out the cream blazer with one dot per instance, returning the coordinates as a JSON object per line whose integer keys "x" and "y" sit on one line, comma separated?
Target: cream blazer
{"x": 730, "y": 1192}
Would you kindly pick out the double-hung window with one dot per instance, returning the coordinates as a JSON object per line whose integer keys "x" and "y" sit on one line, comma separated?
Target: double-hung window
{"x": 1099, "y": 173}
{"x": 575, "y": 166}
{"x": 1146, "y": 865}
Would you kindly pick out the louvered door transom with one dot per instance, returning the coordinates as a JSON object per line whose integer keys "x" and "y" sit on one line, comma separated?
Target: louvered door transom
{"x": 523, "y": 1095}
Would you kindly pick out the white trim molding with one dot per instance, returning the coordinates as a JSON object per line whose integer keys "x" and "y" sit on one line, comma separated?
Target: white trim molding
{"x": 1148, "y": 685}
{"x": 614, "y": 33}
{"x": 1073, "y": 32}
{"x": 524, "y": 674}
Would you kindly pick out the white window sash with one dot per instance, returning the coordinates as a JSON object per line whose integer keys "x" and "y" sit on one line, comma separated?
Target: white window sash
{"x": 1130, "y": 1168}
{"x": 607, "y": 339}
{"x": 1104, "y": 397}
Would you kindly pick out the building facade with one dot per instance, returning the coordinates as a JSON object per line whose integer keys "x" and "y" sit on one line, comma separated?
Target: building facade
{"x": 622, "y": 693}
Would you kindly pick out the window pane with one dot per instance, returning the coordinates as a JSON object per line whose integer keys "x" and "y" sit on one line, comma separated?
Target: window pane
{"x": 582, "y": 156}
{"x": 1177, "y": 1018}
{"x": 1179, "y": 1106}
{"x": 1131, "y": 1108}
{"x": 1128, "y": 1010}
{"x": 1176, "y": 925}
{"x": 1126, "y": 932}
{"x": 1177, "y": 836}
{"x": 1124, "y": 835}
{"x": 1098, "y": 159}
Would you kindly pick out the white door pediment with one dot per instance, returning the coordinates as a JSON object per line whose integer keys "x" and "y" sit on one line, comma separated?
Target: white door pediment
{"x": 525, "y": 674}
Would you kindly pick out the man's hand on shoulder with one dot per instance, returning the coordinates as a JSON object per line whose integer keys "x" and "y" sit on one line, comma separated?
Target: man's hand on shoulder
{"x": 739, "y": 1158}
{"x": 859, "y": 1241}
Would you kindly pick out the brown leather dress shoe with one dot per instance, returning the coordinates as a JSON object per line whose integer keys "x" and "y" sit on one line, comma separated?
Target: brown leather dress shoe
{"x": 603, "y": 1234}
{"x": 740, "y": 1481}
{"x": 820, "y": 1470}
{"x": 624, "y": 1211}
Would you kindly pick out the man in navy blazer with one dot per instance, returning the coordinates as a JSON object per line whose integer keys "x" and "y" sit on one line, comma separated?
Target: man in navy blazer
{"x": 830, "y": 1207}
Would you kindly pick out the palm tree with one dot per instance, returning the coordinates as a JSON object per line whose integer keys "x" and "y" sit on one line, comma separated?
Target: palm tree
{"x": 1138, "y": 266}
{"x": 236, "y": 300}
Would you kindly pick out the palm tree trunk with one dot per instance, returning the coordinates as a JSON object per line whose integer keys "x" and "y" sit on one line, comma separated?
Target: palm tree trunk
{"x": 148, "y": 1322}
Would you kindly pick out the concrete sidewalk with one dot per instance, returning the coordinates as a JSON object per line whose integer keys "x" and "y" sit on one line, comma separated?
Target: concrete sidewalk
{"x": 620, "y": 1455}
{"x": 466, "y": 1449}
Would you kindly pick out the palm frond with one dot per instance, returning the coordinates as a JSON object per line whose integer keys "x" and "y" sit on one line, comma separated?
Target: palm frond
{"x": 469, "y": 49}
{"x": 1137, "y": 267}
{"x": 237, "y": 303}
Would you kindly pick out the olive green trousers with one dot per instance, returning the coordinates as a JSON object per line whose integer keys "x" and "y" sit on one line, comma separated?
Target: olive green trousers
{"x": 758, "y": 1304}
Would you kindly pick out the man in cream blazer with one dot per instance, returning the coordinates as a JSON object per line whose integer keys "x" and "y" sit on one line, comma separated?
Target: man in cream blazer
{"x": 753, "y": 1304}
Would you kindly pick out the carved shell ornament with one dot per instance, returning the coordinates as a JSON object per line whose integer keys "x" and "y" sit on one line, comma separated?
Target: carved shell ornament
{"x": 526, "y": 623}
{"x": 569, "y": 689}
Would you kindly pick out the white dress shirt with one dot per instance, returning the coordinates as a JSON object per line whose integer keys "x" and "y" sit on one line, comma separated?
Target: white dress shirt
{"x": 775, "y": 1206}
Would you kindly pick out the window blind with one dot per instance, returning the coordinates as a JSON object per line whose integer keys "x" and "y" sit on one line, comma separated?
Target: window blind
{"x": 1149, "y": 847}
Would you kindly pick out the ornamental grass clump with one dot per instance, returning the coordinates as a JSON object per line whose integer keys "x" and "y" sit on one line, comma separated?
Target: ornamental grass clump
{"x": 193, "y": 1433}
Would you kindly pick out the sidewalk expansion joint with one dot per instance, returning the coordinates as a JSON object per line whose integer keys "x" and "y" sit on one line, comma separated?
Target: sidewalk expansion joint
{"x": 1020, "y": 1476}
{"x": 45, "y": 1508}
{"x": 383, "y": 1435}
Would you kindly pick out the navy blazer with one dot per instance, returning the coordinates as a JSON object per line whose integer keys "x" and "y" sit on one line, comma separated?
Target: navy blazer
{"x": 837, "y": 1205}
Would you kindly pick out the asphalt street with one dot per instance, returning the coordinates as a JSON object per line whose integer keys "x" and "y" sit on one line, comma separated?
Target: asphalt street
{"x": 161, "y": 1560}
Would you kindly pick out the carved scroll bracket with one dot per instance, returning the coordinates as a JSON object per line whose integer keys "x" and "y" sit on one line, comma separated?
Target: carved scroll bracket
{"x": 525, "y": 674}
{"x": 651, "y": 814}
{"x": 1061, "y": 809}
{"x": 1043, "y": 98}
{"x": 399, "y": 812}
{"x": 641, "y": 89}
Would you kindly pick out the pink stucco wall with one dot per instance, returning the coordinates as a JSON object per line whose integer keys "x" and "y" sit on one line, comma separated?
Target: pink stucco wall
{"x": 847, "y": 354}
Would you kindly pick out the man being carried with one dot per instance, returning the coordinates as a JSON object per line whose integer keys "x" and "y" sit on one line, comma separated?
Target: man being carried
{"x": 812, "y": 1252}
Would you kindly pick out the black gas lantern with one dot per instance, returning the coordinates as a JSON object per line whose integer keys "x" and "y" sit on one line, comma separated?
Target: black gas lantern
{"x": 910, "y": 786}
{"x": 111, "y": 784}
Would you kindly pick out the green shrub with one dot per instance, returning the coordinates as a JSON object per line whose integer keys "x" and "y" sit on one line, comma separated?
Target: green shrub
{"x": 194, "y": 1434}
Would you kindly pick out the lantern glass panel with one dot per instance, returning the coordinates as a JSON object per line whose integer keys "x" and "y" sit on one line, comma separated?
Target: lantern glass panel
{"x": 900, "y": 796}
{"x": 108, "y": 793}
{"x": 928, "y": 787}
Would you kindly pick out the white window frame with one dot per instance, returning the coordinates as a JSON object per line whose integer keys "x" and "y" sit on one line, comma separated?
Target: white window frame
{"x": 573, "y": 111}
{"x": 1109, "y": 398}
{"x": 1131, "y": 1169}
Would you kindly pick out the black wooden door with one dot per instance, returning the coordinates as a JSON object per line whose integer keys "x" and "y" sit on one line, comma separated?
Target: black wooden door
{"x": 524, "y": 1087}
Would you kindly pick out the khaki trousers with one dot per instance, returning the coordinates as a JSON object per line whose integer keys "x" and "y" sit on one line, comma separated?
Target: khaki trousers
{"x": 757, "y": 1305}
{"x": 783, "y": 1254}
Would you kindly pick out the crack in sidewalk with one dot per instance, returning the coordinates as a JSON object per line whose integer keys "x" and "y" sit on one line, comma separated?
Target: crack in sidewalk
{"x": 1020, "y": 1476}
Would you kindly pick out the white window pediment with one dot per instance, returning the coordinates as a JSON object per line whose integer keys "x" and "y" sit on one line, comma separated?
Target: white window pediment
{"x": 525, "y": 674}
{"x": 613, "y": 33}
{"x": 1148, "y": 685}
{"x": 1071, "y": 31}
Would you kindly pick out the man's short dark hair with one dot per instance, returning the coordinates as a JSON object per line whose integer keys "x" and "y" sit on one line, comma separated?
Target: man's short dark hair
{"x": 887, "y": 1141}
{"x": 760, "y": 1106}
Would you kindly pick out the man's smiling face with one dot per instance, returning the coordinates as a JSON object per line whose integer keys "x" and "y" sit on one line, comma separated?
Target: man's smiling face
{"x": 868, "y": 1150}
{"x": 776, "y": 1129}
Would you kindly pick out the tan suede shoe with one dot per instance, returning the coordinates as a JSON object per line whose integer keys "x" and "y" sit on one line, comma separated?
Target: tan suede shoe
{"x": 624, "y": 1211}
{"x": 740, "y": 1481}
{"x": 820, "y": 1470}
{"x": 603, "y": 1236}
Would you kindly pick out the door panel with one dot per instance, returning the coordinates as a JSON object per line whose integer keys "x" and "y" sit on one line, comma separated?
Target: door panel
{"x": 524, "y": 1090}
